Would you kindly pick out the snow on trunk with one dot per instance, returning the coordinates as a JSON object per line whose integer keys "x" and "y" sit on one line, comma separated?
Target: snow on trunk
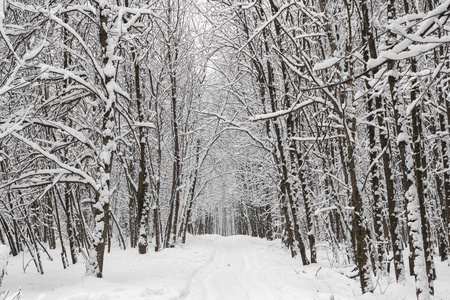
{"x": 2, "y": 9}
{"x": 422, "y": 288}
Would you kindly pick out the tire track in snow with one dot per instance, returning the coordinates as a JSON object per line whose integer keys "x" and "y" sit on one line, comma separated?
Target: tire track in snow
{"x": 223, "y": 280}
{"x": 233, "y": 273}
{"x": 196, "y": 281}
{"x": 266, "y": 289}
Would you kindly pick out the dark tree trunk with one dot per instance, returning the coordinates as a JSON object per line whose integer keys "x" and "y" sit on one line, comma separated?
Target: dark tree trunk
{"x": 191, "y": 196}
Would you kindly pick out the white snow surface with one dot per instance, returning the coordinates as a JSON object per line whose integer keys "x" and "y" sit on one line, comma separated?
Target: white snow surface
{"x": 4, "y": 253}
{"x": 207, "y": 267}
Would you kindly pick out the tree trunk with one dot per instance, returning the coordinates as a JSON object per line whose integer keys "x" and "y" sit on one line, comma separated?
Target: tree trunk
{"x": 101, "y": 207}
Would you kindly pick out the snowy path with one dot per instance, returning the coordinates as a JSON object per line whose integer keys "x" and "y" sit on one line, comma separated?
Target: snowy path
{"x": 208, "y": 267}
{"x": 233, "y": 273}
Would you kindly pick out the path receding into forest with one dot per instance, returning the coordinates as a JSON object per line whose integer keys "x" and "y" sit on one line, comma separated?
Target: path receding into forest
{"x": 207, "y": 267}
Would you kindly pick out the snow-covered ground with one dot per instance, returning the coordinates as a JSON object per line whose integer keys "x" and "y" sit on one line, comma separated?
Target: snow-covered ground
{"x": 207, "y": 267}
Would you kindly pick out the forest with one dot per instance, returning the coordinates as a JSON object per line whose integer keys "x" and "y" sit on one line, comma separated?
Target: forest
{"x": 138, "y": 123}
